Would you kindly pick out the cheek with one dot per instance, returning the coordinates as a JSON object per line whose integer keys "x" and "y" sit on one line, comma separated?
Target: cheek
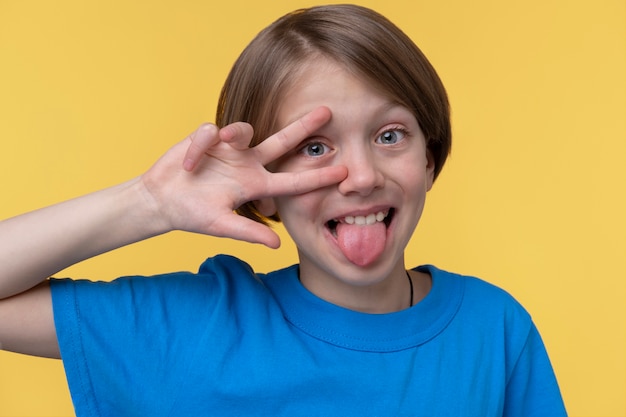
{"x": 410, "y": 171}
{"x": 293, "y": 210}
{"x": 304, "y": 216}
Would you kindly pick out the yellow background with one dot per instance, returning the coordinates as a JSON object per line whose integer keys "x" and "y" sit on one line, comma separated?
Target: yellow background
{"x": 532, "y": 199}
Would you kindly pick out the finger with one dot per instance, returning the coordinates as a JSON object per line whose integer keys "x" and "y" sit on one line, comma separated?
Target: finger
{"x": 238, "y": 135}
{"x": 201, "y": 140}
{"x": 292, "y": 183}
{"x": 241, "y": 228}
{"x": 289, "y": 137}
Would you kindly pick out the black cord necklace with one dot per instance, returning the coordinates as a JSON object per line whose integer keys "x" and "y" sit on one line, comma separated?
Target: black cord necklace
{"x": 411, "y": 284}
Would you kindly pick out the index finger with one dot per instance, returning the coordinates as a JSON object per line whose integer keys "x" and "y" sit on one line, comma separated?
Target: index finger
{"x": 290, "y": 136}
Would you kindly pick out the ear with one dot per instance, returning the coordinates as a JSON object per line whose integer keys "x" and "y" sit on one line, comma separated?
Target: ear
{"x": 430, "y": 169}
{"x": 265, "y": 206}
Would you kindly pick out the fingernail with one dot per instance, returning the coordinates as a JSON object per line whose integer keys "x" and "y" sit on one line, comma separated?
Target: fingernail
{"x": 188, "y": 164}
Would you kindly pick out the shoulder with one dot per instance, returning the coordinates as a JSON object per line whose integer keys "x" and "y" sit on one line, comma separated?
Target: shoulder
{"x": 472, "y": 286}
{"x": 180, "y": 305}
{"x": 481, "y": 300}
{"x": 150, "y": 326}
{"x": 487, "y": 315}
{"x": 211, "y": 271}
{"x": 218, "y": 281}
{"x": 494, "y": 331}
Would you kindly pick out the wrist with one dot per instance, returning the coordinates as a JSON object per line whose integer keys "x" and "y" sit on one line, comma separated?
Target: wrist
{"x": 144, "y": 211}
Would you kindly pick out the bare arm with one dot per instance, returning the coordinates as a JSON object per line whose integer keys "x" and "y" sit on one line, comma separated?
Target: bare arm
{"x": 38, "y": 244}
{"x": 194, "y": 187}
{"x": 27, "y": 324}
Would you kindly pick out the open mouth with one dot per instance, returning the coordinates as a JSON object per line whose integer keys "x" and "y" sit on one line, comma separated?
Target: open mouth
{"x": 382, "y": 216}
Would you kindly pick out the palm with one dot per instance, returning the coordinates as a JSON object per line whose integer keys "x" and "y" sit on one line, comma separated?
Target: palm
{"x": 221, "y": 173}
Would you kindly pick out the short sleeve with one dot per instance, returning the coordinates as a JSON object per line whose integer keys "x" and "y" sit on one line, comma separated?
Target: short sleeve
{"x": 128, "y": 344}
{"x": 532, "y": 389}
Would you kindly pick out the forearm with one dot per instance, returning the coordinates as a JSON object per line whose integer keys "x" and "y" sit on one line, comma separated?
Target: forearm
{"x": 38, "y": 244}
{"x": 195, "y": 186}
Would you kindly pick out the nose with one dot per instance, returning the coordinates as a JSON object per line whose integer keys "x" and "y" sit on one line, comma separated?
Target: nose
{"x": 364, "y": 174}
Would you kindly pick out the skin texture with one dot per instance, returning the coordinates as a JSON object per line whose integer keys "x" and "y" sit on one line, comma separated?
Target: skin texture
{"x": 210, "y": 168}
{"x": 390, "y": 172}
{"x": 368, "y": 155}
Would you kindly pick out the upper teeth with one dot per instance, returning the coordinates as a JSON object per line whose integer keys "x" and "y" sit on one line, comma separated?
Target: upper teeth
{"x": 365, "y": 220}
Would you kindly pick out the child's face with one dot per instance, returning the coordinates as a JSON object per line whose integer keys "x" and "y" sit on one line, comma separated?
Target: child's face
{"x": 389, "y": 173}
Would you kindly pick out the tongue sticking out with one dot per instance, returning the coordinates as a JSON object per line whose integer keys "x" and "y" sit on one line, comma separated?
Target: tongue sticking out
{"x": 362, "y": 244}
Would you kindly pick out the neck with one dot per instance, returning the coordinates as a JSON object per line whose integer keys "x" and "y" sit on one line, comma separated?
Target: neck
{"x": 378, "y": 296}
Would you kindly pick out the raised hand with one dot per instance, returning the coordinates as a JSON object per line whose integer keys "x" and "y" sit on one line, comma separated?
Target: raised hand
{"x": 201, "y": 180}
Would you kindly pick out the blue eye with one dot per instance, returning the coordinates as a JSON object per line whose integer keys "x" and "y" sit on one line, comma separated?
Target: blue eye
{"x": 391, "y": 137}
{"x": 314, "y": 149}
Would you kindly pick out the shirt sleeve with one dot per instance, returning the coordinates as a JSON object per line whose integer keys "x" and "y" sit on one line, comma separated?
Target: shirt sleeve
{"x": 532, "y": 389}
{"x": 121, "y": 340}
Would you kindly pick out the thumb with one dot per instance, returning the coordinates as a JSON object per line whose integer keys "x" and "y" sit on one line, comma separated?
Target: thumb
{"x": 241, "y": 228}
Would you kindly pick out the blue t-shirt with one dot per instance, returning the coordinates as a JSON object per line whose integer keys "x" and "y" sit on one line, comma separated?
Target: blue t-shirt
{"x": 227, "y": 341}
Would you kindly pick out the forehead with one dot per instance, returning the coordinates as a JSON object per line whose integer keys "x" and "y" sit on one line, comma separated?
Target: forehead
{"x": 325, "y": 82}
